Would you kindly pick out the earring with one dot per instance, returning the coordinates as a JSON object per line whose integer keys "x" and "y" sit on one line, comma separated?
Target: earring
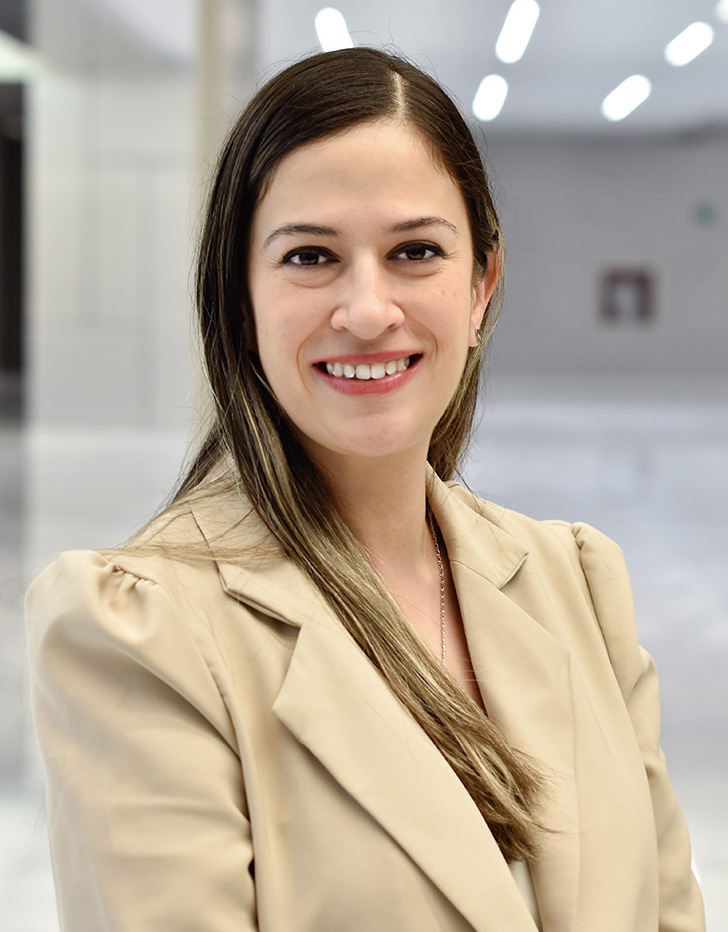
{"x": 478, "y": 335}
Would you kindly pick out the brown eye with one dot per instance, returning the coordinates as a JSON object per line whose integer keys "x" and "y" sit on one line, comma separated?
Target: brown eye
{"x": 418, "y": 252}
{"x": 307, "y": 257}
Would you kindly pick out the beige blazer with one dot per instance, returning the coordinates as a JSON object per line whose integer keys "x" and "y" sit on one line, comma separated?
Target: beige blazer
{"x": 221, "y": 757}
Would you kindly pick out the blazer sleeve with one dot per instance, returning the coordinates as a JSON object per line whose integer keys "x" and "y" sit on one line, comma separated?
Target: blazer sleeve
{"x": 681, "y": 905}
{"x": 145, "y": 799}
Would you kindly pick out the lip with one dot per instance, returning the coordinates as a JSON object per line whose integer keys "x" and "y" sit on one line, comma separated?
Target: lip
{"x": 381, "y": 386}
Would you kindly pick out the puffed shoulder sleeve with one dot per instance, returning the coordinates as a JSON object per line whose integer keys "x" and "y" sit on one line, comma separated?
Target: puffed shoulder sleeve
{"x": 145, "y": 798}
{"x": 681, "y": 907}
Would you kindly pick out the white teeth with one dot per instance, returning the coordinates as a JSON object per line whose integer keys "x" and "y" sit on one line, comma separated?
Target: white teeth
{"x": 364, "y": 372}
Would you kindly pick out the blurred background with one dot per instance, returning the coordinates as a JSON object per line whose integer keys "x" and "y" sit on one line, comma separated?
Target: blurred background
{"x": 608, "y": 388}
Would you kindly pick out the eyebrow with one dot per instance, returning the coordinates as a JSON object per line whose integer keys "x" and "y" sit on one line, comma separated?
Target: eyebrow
{"x": 407, "y": 226}
{"x": 314, "y": 229}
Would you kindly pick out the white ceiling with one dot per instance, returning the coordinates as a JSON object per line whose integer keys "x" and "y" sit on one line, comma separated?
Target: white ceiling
{"x": 580, "y": 50}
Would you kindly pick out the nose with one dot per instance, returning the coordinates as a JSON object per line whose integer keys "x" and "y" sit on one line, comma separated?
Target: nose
{"x": 365, "y": 305}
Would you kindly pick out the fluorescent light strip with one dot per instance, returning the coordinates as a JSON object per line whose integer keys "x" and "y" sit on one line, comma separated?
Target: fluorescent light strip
{"x": 331, "y": 30}
{"x": 689, "y": 44}
{"x": 490, "y": 97}
{"x": 516, "y": 31}
{"x": 626, "y": 97}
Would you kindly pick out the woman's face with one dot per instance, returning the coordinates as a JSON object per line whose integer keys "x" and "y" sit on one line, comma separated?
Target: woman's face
{"x": 362, "y": 285}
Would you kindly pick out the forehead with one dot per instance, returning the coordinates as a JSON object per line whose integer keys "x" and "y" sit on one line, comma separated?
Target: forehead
{"x": 367, "y": 163}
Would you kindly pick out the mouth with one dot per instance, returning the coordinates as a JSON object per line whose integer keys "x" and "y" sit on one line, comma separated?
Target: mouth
{"x": 364, "y": 372}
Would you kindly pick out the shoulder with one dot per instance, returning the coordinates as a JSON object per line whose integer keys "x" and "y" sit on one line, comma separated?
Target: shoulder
{"x": 577, "y": 566}
{"x": 113, "y": 625}
{"x": 558, "y": 547}
{"x": 575, "y": 541}
{"x": 134, "y": 599}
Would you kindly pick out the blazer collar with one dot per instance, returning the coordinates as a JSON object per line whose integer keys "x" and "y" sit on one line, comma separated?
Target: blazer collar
{"x": 473, "y": 534}
{"x": 387, "y": 763}
{"x": 272, "y": 584}
{"x": 262, "y": 578}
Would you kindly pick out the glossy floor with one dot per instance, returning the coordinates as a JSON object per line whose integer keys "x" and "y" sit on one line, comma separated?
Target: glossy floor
{"x": 646, "y": 464}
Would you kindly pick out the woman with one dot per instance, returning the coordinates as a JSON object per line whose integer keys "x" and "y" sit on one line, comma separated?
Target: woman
{"x": 326, "y": 689}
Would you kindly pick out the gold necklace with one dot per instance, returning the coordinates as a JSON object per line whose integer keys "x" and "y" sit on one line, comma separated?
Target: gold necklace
{"x": 442, "y": 583}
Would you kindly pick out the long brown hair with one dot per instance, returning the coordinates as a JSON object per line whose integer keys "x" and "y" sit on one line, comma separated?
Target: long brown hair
{"x": 315, "y": 98}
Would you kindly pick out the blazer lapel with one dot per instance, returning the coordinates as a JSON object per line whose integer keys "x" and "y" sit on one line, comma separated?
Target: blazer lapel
{"x": 337, "y": 705}
{"x": 524, "y": 675}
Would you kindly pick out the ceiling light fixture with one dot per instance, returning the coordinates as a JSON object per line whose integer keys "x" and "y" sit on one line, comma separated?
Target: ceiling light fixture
{"x": 331, "y": 30}
{"x": 721, "y": 11}
{"x": 689, "y": 44}
{"x": 516, "y": 31}
{"x": 626, "y": 97}
{"x": 490, "y": 97}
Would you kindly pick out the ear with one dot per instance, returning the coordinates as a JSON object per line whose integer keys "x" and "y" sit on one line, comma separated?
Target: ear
{"x": 483, "y": 288}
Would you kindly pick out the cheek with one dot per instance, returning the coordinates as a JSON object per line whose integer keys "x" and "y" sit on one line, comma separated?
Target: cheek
{"x": 282, "y": 335}
{"x": 270, "y": 315}
{"x": 452, "y": 310}
{"x": 271, "y": 348}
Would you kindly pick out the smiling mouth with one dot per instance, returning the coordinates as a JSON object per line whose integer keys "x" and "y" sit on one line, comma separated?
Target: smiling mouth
{"x": 364, "y": 372}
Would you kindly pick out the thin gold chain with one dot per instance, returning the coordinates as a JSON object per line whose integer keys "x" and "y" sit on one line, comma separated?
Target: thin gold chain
{"x": 442, "y": 585}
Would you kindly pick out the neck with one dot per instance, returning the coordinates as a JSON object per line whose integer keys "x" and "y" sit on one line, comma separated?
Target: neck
{"x": 384, "y": 504}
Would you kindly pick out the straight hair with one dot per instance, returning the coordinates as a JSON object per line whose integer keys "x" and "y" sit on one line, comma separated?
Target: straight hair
{"x": 319, "y": 97}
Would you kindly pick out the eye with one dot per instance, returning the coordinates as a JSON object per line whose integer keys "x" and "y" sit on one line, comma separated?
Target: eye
{"x": 308, "y": 256}
{"x": 418, "y": 252}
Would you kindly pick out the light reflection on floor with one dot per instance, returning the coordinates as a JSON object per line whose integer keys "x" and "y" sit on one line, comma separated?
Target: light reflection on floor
{"x": 650, "y": 473}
